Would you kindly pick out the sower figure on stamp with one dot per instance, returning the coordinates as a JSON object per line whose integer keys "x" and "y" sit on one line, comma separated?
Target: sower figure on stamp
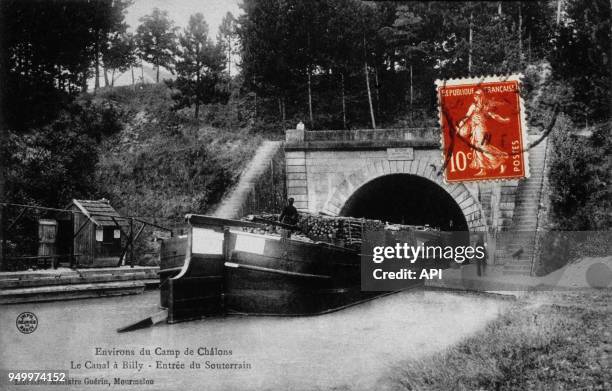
{"x": 289, "y": 215}
{"x": 484, "y": 155}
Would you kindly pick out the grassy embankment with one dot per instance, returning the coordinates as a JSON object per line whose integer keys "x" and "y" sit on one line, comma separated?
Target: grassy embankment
{"x": 546, "y": 341}
{"x": 163, "y": 163}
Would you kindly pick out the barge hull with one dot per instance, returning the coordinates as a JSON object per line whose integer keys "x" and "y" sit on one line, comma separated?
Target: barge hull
{"x": 227, "y": 270}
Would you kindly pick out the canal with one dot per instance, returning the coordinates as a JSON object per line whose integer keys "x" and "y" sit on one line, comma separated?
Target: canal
{"x": 356, "y": 348}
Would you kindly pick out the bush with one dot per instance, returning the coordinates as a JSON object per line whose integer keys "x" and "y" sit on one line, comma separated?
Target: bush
{"x": 52, "y": 164}
{"x": 96, "y": 118}
{"x": 580, "y": 174}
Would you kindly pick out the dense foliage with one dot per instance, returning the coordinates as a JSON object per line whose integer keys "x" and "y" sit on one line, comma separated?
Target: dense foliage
{"x": 581, "y": 174}
{"x": 333, "y": 64}
{"x": 51, "y": 164}
{"x": 350, "y": 63}
{"x": 49, "y": 50}
{"x": 581, "y": 59}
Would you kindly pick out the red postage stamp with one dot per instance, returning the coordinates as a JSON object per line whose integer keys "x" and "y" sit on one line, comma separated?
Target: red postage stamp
{"x": 483, "y": 129}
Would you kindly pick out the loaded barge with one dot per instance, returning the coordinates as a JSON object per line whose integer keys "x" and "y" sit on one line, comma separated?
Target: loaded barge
{"x": 224, "y": 266}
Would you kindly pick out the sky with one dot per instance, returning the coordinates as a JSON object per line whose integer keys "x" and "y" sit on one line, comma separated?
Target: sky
{"x": 180, "y": 10}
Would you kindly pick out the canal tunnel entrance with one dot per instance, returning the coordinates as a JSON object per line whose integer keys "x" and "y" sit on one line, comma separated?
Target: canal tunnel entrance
{"x": 406, "y": 199}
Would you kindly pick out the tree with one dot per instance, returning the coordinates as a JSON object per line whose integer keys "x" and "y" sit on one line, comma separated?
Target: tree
{"x": 266, "y": 47}
{"x": 121, "y": 55}
{"x": 407, "y": 40}
{"x": 227, "y": 39}
{"x": 106, "y": 27}
{"x": 342, "y": 52}
{"x": 369, "y": 26}
{"x": 580, "y": 174}
{"x": 156, "y": 40}
{"x": 117, "y": 43}
{"x": 582, "y": 57}
{"x": 501, "y": 54}
{"x": 371, "y": 62}
{"x": 53, "y": 163}
{"x": 306, "y": 23}
{"x": 289, "y": 49}
{"x": 48, "y": 48}
{"x": 46, "y": 52}
{"x": 199, "y": 66}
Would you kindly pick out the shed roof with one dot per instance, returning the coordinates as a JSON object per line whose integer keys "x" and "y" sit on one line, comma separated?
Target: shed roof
{"x": 100, "y": 212}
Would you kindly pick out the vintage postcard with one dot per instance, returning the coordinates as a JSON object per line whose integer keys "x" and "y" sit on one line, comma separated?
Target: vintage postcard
{"x": 305, "y": 195}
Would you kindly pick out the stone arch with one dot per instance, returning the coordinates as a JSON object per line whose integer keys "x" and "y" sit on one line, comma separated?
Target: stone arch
{"x": 428, "y": 169}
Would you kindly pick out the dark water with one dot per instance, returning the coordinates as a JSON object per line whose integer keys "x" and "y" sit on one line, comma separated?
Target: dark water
{"x": 356, "y": 348}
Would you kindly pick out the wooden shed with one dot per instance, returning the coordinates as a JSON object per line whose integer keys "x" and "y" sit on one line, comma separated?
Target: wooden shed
{"x": 98, "y": 233}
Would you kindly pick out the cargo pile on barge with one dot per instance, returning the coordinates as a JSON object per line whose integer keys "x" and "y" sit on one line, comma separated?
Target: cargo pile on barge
{"x": 338, "y": 230}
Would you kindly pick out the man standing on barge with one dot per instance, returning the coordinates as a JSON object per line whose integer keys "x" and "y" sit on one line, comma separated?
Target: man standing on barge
{"x": 290, "y": 216}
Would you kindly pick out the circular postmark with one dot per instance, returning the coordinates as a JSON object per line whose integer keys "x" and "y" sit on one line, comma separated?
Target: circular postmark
{"x": 26, "y": 322}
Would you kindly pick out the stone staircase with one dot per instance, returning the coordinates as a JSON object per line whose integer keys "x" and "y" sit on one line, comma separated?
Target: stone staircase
{"x": 232, "y": 205}
{"x": 516, "y": 247}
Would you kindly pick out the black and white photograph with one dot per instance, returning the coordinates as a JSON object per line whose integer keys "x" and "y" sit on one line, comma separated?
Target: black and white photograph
{"x": 316, "y": 195}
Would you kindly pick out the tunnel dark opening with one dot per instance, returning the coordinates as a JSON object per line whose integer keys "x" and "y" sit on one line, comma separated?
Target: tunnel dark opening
{"x": 406, "y": 199}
